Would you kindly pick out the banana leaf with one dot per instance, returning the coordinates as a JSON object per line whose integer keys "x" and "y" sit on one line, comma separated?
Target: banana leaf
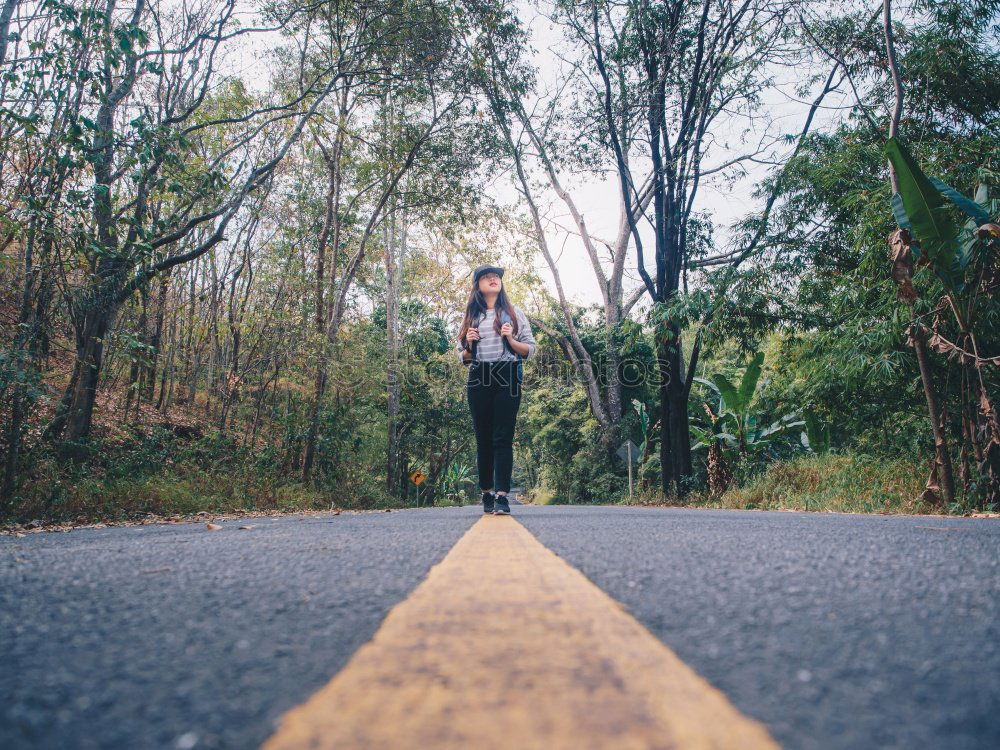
{"x": 730, "y": 396}
{"x": 899, "y": 213}
{"x": 728, "y": 420}
{"x": 816, "y": 436}
{"x": 750, "y": 378}
{"x": 977, "y": 214}
{"x": 730, "y": 439}
{"x": 704, "y": 437}
{"x": 708, "y": 384}
{"x": 968, "y": 206}
{"x": 983, "y": 196}
{"x": 931, "y": 223}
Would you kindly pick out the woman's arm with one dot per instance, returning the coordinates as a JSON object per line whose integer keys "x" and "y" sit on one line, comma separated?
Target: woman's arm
{"x": 524, "y": 342}
{"x": 463, "y": 348}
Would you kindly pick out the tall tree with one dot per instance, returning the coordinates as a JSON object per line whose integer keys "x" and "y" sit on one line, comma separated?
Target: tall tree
{"x": 416, "y": 91}
{"x": 149, "y": 72}
{"x": 679, "y": 73}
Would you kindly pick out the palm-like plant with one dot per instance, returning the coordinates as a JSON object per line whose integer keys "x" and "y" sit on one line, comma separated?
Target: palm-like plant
{"x": 648, "y": 439}
{"x": 454, "y": 479}
{"x": 958, "y": 239}
{"x": 731, "y": 424}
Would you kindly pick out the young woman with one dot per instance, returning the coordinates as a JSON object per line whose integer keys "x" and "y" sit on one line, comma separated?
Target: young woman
{"x": 495, "y": 336}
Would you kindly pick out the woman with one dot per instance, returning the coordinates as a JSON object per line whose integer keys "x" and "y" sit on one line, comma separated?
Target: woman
{"x": 495, "y": 336}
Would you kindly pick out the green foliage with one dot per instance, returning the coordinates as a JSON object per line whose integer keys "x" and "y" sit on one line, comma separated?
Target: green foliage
{"x": 455, "y": 481}
{"x": 647, "y": 428}
{"x": 816, "y": 437}
{"x": 159, "y": 473}
{"x": 926, "y": 210}
{"x": 820, "y": 300}
{"x": 813, "y": 317}
{"x": 732, "y": 421}
{"x": 560, "y": 441}
{"x": 922, "y": 208}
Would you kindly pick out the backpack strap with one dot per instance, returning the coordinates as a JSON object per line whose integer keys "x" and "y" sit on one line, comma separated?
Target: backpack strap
{"x": 474, "y": 323}
{"x": 505, "y": 318}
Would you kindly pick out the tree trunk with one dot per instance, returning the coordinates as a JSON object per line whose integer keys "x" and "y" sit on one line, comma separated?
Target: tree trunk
{"x": 6, "y": 13}
{"x": 170, "y": 369}
{"x": 149, "y": 379}
{"x": 942, "y": 457}
{"x": 719, "y": 475}
{"x": 191, "y": 365}
{"x": 988, "y": 437}
{"x": 331, "y": 227}
{"x": 395, "y": 236}
{"x": 136, "y": 369}
{"x": 675, "y": 436}
{"x": 75, "y": 420}
{"x": 666, "y": 444}
{"x": 613, "y": 389}
{"x": 26, "y": 340}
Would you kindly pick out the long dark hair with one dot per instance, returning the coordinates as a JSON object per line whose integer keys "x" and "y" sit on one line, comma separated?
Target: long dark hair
{"x": 476, "y": 308}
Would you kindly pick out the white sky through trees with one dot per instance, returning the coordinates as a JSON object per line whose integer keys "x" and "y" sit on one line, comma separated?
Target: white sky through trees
{"x": 599, "y": 198}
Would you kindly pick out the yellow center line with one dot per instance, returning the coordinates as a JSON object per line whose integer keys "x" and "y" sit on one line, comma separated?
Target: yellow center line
{"x": 505, "y": 645}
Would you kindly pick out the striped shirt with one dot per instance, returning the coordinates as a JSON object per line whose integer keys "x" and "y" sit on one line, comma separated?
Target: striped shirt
{"x": 491, "y": 348}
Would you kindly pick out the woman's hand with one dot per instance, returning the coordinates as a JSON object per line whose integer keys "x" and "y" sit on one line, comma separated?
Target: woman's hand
{"x": 506, "y": 330}
{"x": 471, "y": 335}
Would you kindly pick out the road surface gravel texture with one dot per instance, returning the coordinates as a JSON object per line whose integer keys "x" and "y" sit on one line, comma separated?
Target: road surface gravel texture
{"x": 180, "y": 637}
{"x": 836, "y": 631}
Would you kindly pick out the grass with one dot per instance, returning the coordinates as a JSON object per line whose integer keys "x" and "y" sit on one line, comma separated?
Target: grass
{"x": 541, "y": 496}
{"x": 840, "y": 483}
{"x": 185, "y": 492}
{"x": 156, "y": 474}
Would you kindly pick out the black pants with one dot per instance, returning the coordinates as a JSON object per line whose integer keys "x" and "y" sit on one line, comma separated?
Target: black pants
{"x": 494, "y": 391}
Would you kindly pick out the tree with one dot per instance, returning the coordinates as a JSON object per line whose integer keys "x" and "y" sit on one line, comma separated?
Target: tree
{"x": 416, "y": 79}
{"x": 147, "y": 193}
{"x": 668, "y": 74}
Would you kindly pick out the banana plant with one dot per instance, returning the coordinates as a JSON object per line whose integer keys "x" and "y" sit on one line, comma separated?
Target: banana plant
{"x": 648, "y": 438}
{"x": 953, "y": 250}
{"x": 965, "y": 257}
{"x": 816, "y": 436}
{"x": 648, "y": 430}
{"x": 731, "y": 422}
{"x": 456, "y": 475}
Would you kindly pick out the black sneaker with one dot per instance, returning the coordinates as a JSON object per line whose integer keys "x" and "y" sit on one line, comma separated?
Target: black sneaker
{"x": 503, "y": 507}
{"x": 488, "y": 501}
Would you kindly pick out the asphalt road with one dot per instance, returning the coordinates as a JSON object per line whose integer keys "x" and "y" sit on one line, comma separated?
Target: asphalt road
{"x": 179, "y": 637}
{"x": 835, "y": 631}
